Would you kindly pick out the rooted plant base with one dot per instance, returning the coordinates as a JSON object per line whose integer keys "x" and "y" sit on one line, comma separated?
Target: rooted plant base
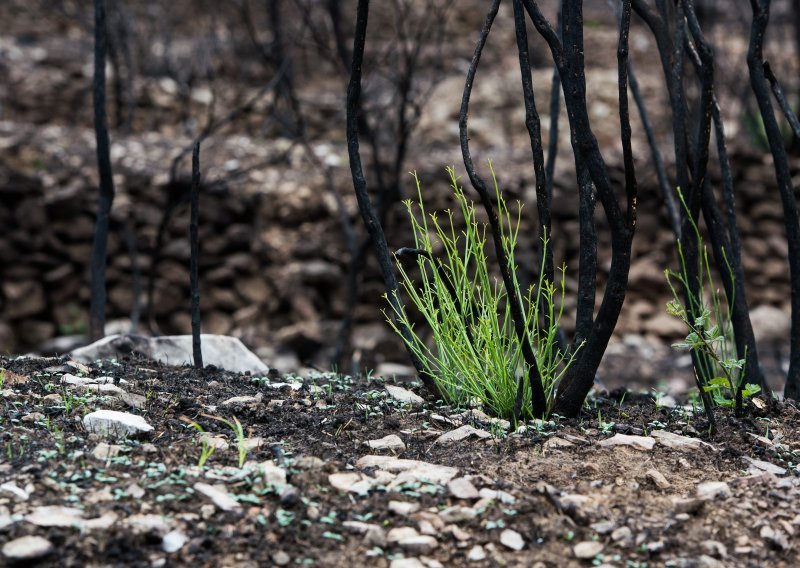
{"x": 570, "y": 498}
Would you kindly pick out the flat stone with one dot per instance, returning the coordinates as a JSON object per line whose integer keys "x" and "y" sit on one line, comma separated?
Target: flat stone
{"x": 497, "y": 495}
{"x": 462, "y": 488}
{"x": 390, "y": 442}
{"x": 587, "y": 550}
{"x": 18, "y": 493}
{"x": 220, "y": 498}
{"x": 678, "y": 442}
{"x": 115, "y": 423}
{"x": 419, "y": 544}
{"x": 758, "y": 466}
{"x": 155, "y": 524}
{"x": 351, "y": 482}
{"x": 242, "y": 400}
{"x": 55, "y": 516}
{"x": 280, "y": 558}
{"x": 404, "y": 395}
{"x": 423, "y": 470}
{"x": 221, "y": 351}
{"x": 462, "y": 433}
{"x": 70, "y": 379}
{"x": 399, "y": 533}
{"x": 637, "y": 442}
{"x": 457, "y": 514}
{"x": 104, "y": 389}
{"x": 403, "y": 508}
{"x": 512, "y": 539}
{"x": 709, "y": 490}
{"x": 173, "y": 541}
{"x": 406, "y": 563}
{"x": 27, "y": 548}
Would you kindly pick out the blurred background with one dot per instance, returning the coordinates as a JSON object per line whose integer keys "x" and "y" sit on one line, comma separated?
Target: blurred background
{"x": 285, "y": 265}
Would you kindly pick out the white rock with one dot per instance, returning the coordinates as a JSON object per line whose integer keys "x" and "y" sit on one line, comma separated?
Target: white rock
{"x": 418, "y": 544}
{"x": 17, "y": 492}
{"x": 497, "y": 495}
{"x": 462, "y": 433}
{"x": 27, "y": 548}
{"x": 115, "y": 423}
{"x": 476, "y": 553}
{"x": 457, "y": 514}
{"x": 104, "y": 389}
{"x": 512, "y": 539}
{"x": 587, "y": 550}
{"x": 173, "y": 541}
{"x": 69, "y": 379}
{"x": 242, "y": 400}
{"x": 399, "y": 533}
{"x": 403, "y": 508}
{"x": 678, "y": 442}
{"x": 462, "y": 488}
{"x": 221, "y": 351}
{"x": 273, "y": 475}
{"x": 220, "y": 498}
{"x": 709, "y": 490}
{"x": 351, "y": 482}
{"x": 423, "y": 470}
{"x": 637, "y": 442}
{"x": 390, "y": 442}
{"x": 404, "y": 395}
{"x": 55, "y": 516}
{"x": 758, "y": 466}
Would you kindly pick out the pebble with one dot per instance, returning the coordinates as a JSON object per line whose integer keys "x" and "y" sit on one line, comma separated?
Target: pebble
{"x": 173, "y": 541}
{"x": 403, "y": 508}
{"x": 512, "y": 539}
{"x": 418, "y": 544}
{"x": 27, "y": 548}
{"x": 390, "y": 442}
{"x": 476, "y": 554}
{"x": 587, "y": 549}
{"x": 462, "y": 488}
{"x": 280, "y": 558}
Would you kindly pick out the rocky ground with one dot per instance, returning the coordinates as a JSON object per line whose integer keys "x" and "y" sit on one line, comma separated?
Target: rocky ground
{"x": 330, "y": 470}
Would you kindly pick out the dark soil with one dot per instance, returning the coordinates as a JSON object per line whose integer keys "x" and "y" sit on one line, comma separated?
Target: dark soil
{"x": 568, "y": 490}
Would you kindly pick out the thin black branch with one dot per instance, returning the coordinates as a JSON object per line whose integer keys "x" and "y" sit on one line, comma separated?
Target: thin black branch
{"x": 360, "y": 185}
{"x": 194, "y": 246}
{"x": 97, "y": 307}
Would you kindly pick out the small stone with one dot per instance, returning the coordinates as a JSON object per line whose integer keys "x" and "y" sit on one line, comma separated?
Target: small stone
{"x": 33, "y": 417}
{"x": 638, "y": 442}
{"x": 709, "y": 490}
{"x": 309, "y": 462}
{"x": 758, "y": 466}
{"x": 655, "y": 547}
{"x": 512, "y": 539}
{"x": 462, "y": 488}
{"x": 390, "y": 442}
{"x": 351, "y": 482}
{"x": 17, "y": 492}
{"x": 280, "y": 558}
{"x": 457, "y": 514}
{"x": 289, "y": 496}
{"x": 587, "y": 549}
{"x": 403, "y": 508}
{"x": 173, "y": 541}
{"x": 476, "y": 553}
{"x": 220, "y": 498}
{"x": 55, "y": 516}
{"x": 497, "y": 495}
{"x": 112, "y": 422}
{"x": 27, "y": 548}
{"x": 462, "y": 433}
{"x": 403, "y": 395}
{"x": 399, "y": 533}
{"x": 421, "y": 470}
{"x": 418, "y": 544}
{"x": 242, "y": 400}
{"x": 604, "y": 527}
{"x": 658, "y": 478}
{"x": 622, "y": 535}
{"x": 678, "y": 442}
